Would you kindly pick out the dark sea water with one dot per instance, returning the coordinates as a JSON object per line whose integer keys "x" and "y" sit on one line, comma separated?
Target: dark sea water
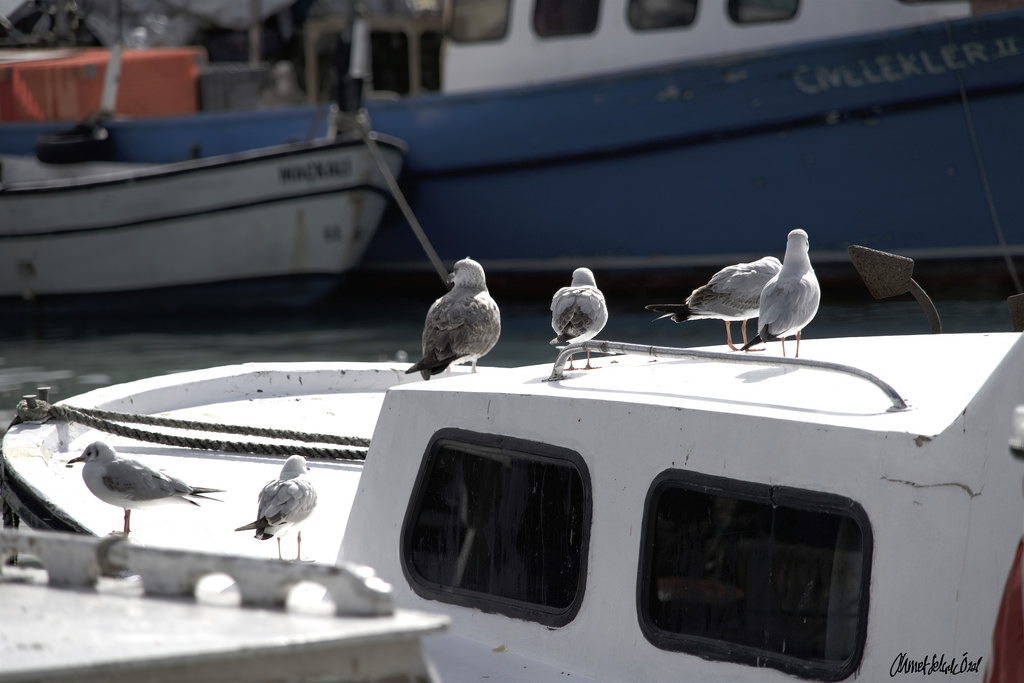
{"x": 77, "y": 355}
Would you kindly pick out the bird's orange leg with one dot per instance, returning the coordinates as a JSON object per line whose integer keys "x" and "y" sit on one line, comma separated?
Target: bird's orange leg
{"x": 298, "y": 547}
{"x": 728, "y": 335}
{"x": 797, "y": 344}
{"x": 127, "y": 519}
{"x": 570, "y": 363}
{"x": 588, "y": 365}
{"x": 783, "y": 340}
{"x": 279, "y": 548}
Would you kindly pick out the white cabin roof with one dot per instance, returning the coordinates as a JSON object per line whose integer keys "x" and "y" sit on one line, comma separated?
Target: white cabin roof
{"x": 937, "y": 381}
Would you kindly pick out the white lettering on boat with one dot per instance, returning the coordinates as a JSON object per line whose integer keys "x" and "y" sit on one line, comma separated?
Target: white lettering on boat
{"x": 315, "y": 170}
{"x": 893, "y": 68}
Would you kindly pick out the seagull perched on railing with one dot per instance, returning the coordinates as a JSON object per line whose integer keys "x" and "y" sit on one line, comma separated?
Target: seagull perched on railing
{"x": 283, "y": 504}
{"x": 733, "y": 293}
{"x": 126, "y": 483}
{"x": 790, "y": 299}
{"x": 461, "y": 326}
{"x": 578, "y": 312}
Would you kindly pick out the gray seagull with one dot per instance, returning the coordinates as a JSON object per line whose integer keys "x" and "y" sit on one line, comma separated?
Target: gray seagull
{"x": 283, "y": 504}
{"x": 461, "y": 326}
{"x": 578, "y": 312}
{"x": 128, "y": 484}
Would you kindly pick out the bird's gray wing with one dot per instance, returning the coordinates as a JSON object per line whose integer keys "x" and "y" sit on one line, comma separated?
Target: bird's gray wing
{"x": 579, "y": 310}
{"x": 287, "y": 501}
{"x": 138, "y": 482}
{"x": 469, "y": 325}
{"x": 788, "y": 305}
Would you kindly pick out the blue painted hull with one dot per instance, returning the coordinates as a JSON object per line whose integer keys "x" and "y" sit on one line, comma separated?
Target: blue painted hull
{"x": 859, "y": 141}
{"x": 906, "y": 141}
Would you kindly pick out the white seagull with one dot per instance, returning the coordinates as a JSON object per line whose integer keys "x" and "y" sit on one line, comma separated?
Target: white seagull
{"x": 461, "y": 326}
{"x": 578, "y": 312}
{"x": 733, "y": 293}
{"x": 284, "y": 503}
{"x": 790, "y": 299}
{"x": 126, "y": 483}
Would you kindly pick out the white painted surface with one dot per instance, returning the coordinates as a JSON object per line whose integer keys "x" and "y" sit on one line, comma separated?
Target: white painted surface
{"x": 115, "y": 635}
{"x": 523, "y": 58}
{"x": 107, "y": 228}
{"x": 936, "y": 481}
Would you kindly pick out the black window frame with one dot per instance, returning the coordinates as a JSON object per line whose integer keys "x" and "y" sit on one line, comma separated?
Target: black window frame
{"x": 531, "y": 450}
{"x": 456, "y": 36}
{"x": 635, "y": 12}
{"x": 732, "y": 11}
{"x": 550, "y": 19}
{"x": 794, "y": 498}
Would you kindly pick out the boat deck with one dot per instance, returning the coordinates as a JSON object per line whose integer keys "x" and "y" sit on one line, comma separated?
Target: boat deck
{"x": 339, "y": 399}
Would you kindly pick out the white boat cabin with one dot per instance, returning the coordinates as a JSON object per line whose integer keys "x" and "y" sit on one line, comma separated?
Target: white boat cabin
{"x": 704, "y": 518}
{"x": 475, "y": 45}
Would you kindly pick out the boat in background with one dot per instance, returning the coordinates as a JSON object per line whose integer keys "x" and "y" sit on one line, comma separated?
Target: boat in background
{"x": 275, "y": 227}
{"x": 659, "y": 139}
{"x": 86, "y": 230}
{"x": 655, "y": 138}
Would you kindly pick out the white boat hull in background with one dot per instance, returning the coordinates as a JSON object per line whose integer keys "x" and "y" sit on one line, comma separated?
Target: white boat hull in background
{"x": 299, "y": 214}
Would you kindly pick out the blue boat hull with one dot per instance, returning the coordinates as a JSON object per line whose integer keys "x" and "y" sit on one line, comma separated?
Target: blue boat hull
{"x": 906, "y": 141}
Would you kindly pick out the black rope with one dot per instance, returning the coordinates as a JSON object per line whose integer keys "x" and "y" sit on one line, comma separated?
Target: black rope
{"x": 169, "y": 422}
{"x": 108, "y": 421}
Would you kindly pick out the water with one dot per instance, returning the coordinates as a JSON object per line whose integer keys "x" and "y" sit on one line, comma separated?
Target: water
{"x": 76, "y": 356}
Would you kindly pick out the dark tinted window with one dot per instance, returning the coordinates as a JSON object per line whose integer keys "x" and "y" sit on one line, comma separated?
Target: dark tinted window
{"x": 653, "y": 14}
{"x": 479, "y": 20}
{"x": 565, "y": 17}
{"x": 757, "y": 574}
{"x": 499, "y": 524}
{"x": 755, "y": 11}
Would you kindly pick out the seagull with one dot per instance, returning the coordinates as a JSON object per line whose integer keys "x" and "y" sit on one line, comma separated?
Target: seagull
{"x": 790, "y": 299}
{"x": 284, "y": 503}
{"x": 578, "y": 312}
{"x": 733, "y": 293}
{"x": 461, "y": 326}
{"x": 126, "y": 483}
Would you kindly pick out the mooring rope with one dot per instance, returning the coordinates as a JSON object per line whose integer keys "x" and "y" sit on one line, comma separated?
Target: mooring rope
{"x": 362, "y": 124}
{"x": 351, "y": 448}
{"x": 979, "y": 161}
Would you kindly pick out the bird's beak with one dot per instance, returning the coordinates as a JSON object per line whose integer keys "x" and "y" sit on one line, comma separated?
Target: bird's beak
{"x": 74, "y": 460}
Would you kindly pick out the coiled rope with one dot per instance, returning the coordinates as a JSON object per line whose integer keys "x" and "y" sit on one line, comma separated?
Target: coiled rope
{"x": 32, "y": 409}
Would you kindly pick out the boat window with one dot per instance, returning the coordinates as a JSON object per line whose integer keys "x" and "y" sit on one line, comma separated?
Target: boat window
{"x": 759, "y": 11}
{"x": 762, "y": 575}
{"x": 499, "y": 524}
{"x": 389, "y": 56}
{"x": 565, "y": 17}
{"x": 475, "y": 21}
{"x": 653, "y": 14}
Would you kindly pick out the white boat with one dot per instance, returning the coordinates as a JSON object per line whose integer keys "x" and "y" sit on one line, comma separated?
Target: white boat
{"x": 276, "y": 226}
{"x": 849, "y": 514}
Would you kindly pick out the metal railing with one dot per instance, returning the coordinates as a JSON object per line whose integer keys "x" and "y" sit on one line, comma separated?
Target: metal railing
{"x": 558, "y": 371}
